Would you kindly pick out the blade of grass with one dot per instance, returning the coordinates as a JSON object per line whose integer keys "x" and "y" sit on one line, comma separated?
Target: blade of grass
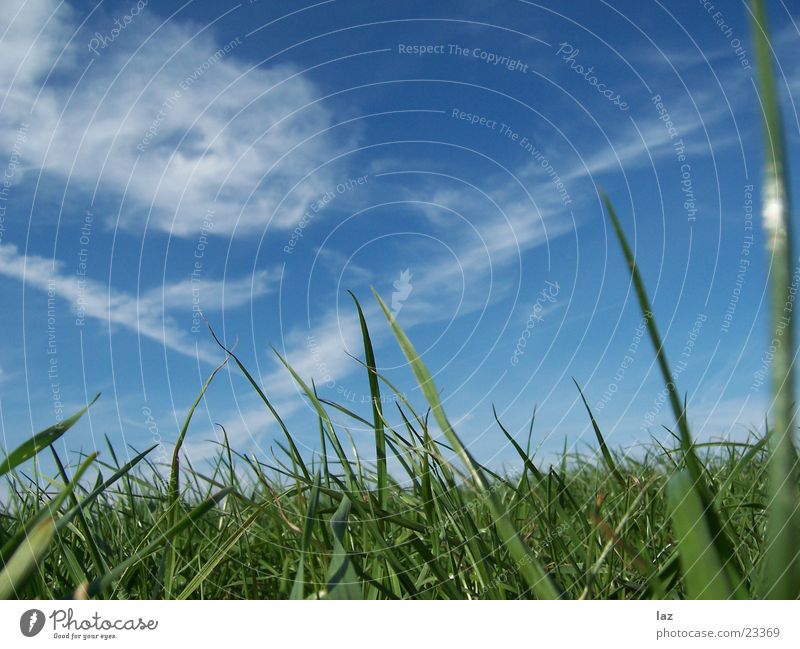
{"x": 342, "y": 580}
{"x": 607, "y": 457}
{"x": 781, "y": 560}
{"x": 296, "y": 453}
{"x": 25, "y": 560}
{"x": 174, "y": 475}
{"x": 703, "y": 573}
{"x": 526, "y": 562}
{"x": 377, "y": 413}
{"x": 527, "y": 462}
{"x": 42, "y": 440}
{"x": 337, "y": 446}
{"x": 693, "y": 464}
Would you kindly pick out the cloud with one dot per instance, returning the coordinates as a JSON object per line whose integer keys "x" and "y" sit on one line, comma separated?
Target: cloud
{"x": 165, "y": 115}
{"x": 32, "y": 37}
{"x": 147, "y": 314}
{"x": 212, "y": 295}
{"x": 639, "y": 143}
{"x": 488, "y": 229}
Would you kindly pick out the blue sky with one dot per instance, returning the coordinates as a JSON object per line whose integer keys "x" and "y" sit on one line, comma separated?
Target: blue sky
{"x": 256, "y": 161}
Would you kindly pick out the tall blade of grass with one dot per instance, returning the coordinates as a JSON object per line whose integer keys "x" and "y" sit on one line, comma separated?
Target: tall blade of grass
{"x": 695, "y": 468}
{"x": 607, "y": 457}
{"x": 529, "y": 566}
{"x": 342, "y": 579}
{"x": 523, "y": 454}
{"x": 248, "y": 576}
{"x": 703, "y": 572}
{"x": 377, "y": 413}
{"x": 781, "y": 561}
{"x": 265, "y": 400}
{"x": 396, "y": 392}
{"x": 693, "y": 464}
{"x": 323, "y": 450}
{"x": 337, "y": 446}
{"x": 39, "y": 441}
{"x": 426, "y": 486}
{"x": 174, "y": 474}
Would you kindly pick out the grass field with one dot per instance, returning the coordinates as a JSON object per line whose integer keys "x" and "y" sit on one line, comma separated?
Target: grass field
{"x": 686, "y": 520}
{"x": 608, "y": 531}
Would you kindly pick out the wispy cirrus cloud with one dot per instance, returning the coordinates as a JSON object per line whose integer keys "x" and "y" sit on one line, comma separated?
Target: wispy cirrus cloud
{"x": 151, "y": 314}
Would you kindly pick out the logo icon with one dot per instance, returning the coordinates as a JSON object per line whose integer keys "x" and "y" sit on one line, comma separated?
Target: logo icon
{"x": 403, "y": 288}
{"x": 31, "y": 622}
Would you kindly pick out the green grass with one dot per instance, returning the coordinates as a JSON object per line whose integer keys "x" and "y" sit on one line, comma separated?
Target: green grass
{"x": 635, "y": 532}
{"x": 428, "y": 521}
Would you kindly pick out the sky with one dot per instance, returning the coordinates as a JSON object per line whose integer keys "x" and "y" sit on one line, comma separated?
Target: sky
{"x": 249, "y": 164}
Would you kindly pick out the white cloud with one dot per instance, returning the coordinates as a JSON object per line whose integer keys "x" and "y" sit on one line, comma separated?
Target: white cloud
{"x": 488, "y": 229}
{"x": 230, "y": 140}
{"x": 211, "y": 294}
{"x": 148, "y": 314}
{"x": 320, "y": 353}
{"x": 632, "y": 147}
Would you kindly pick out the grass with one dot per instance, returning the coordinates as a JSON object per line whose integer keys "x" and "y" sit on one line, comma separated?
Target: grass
{"x": 716, "y": 520}
{"x": 239, "y": 533}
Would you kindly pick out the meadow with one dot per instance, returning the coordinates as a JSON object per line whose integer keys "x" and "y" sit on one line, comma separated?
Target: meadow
{"x": 717, "y": 520}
